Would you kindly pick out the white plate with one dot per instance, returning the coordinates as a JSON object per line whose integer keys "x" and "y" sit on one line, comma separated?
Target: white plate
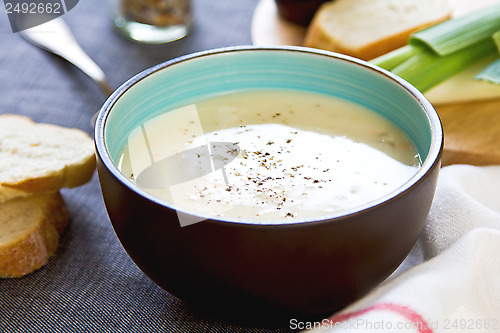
{"x": 269, "y": 29}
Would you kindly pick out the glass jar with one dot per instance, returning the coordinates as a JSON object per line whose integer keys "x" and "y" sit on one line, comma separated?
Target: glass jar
{"x": 153, "y": 21}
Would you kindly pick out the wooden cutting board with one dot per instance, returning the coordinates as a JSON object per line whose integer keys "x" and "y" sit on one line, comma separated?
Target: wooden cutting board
{"x": 471, "y": 133}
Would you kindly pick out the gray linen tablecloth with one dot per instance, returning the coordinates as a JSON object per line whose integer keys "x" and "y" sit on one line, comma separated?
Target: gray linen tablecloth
{"x": 91, "y": 285}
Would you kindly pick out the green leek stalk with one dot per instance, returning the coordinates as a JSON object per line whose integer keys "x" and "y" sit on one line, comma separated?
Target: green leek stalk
{"x": 461, "y": 32}
{"x": 392, "y": 59}
{"x": 427, "y": 69}
{"x": 443, "y": 50}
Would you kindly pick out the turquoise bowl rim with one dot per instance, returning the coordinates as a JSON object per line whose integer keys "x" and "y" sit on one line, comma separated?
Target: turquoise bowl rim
{"x": 435, "y": 128}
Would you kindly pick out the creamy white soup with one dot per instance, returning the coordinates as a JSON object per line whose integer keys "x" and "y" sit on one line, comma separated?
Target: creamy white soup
{"x": 263, "y": 156}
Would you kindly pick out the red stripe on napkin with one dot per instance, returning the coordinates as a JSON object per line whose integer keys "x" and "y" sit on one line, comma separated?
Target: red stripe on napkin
{"x": 411, "y": 315}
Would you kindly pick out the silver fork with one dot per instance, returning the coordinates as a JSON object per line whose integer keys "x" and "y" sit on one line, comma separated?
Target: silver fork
{"x": 55, "y": 36}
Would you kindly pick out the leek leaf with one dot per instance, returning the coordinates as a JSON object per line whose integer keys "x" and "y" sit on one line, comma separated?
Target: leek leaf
{"x": 490, "y": 73}
{"x": 392, "y": 59}
{"x": 427, "y": 69}
{"x": 461, "y": 32}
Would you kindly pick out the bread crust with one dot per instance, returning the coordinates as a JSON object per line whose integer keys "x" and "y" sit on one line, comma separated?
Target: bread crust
{"x": 40, "y": 221}
{"x": 71, "y": 173}
{"x": 69, "y": 176}
{"x": 317, "y": 36}
{"x": 36, "y": 160}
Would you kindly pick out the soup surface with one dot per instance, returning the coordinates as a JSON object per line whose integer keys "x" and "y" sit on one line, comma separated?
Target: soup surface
{"x": 264, "y": 156}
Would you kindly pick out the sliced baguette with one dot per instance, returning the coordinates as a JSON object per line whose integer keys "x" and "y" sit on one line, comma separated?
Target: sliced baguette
{"x": 369, "y": 28}
{"x": 30, "y": 229}
{"x": 39, "y": 158}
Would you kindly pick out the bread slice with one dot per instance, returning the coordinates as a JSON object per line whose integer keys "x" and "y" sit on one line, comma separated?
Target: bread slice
{"x": 369, "y": 28}
{"x": 30, "y": 229}
{"x": 39, "y": 158}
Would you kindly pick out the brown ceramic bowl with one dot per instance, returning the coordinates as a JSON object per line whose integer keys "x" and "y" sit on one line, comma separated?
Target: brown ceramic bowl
{"x": 258, "y": 272}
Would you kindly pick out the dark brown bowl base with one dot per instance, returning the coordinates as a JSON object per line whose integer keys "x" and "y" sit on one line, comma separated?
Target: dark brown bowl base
{"x": 268, "y": 273}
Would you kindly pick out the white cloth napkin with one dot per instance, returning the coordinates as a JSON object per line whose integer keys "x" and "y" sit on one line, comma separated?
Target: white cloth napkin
{"x": 457, "y": 287}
